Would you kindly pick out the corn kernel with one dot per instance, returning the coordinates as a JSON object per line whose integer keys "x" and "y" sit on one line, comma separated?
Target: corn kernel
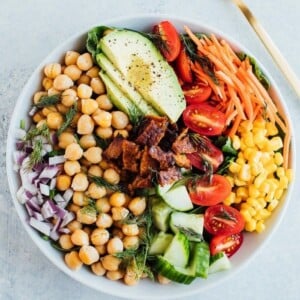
{"x": 248, "y": 139}
{"x": 289, "y": 174}
{"x": 271, "y": 168}
{"x": 253, "y": 191}
{"x": 278, "y": 193}
{"x": 245, "y": 126}
{"x": 250, "y": 225}
{"x": 230, "y": 199}
{"x": 256, "y": 168}
{"x": 283, "y": 182}
{"x": 242, "y": 192}
{"x": 265, "y": 187}
{"x": 280, "y": 172}
{"x": 270, "y": 196}
{"x": 239, "y": 182}
{"x": 260, "y": 226}
{"x": 255, "y": 156}
{"x": 230, "y": 180}
{"x": 262, "y": 202}
{"x": 271, "y": 129}
{"x": 245, "y": 173}
{"x": 278, "y": 158}
{"x": 234, "y": 167}
{"x": 240, "y": 160}
{"x": 246, "y": 215}
{"x": 260, "y": 179}
{"x": 236, "y": 142}
{"x": 259, "y": 123}
{"x": 272, "y": 205}
{"x": 259, "y": 137}
{"x": 276, "y": 143}
{"x": 264, "y": 213}
{"x": 254, "y": 203}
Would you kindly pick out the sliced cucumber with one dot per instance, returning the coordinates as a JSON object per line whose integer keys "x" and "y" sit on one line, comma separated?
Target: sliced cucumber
{"x": 219, "y": 262}
{"x": 177, "y": 197}
{"x": 161, "y": 212}
{"x": 177, "y": 274}
{"x": 160, "y": 243}
{"x": 178, "y": 252}
{"x": 200, "y": 259}
{"x": 192, "y": 224}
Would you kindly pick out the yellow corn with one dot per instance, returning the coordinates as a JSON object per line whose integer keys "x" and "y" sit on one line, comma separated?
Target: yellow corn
{"x": 260, "y": 226}
{"x": 278, "y": 159}
{"x": 242, "y": 192}
{"x": 272, "y": 205}
{"x": 230, "y": 199}
{"x": 250, "y": 225}
{"x": 236, "y": 142}
{"x": 271, "y": 129}
{"x": 246, "y": 215}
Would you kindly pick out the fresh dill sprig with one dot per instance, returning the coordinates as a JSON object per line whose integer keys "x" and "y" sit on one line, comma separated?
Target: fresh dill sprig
{"x": 135, "y": 116}
{"x": 48, "y": 101}
{"x": 36, "y": 155}
{"x": 184, "y": 180}
{"x": 102, "y": 143}
{"x": 42, "y": 130}
{"x": 199, "y": 141}
{"x": 190, "y": 233}
{"x": 102, "y": 182}
{"x": 68, "y": 119}
{"x": 204, "y": 61}
{"x": 89, "y": 209}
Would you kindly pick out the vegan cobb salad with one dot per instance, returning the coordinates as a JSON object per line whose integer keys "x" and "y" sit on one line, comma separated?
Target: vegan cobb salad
{"x": 151, "y": 154}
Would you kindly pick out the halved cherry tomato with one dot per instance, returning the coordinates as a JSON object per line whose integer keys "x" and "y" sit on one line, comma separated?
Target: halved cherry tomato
{"x": 207, "y": 157}
{"x": 204, "y": 119}
{"x": 226, "y": 243}
{"x": 171, "y": 39}
{"x": 223, "y": 220}
{"x": 196, "y": 93}
{"x": 183, "y": 66}
{"x": 207, "y": 192}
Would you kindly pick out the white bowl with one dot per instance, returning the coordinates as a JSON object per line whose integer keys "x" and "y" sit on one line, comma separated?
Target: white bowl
{"x": 146, "y": 289}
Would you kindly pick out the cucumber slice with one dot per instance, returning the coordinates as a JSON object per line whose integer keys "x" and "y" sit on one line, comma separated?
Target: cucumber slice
{"x": 177, "y": 197}
{"x": 177, "y": 274}
{"x": 219, "y": 262}
{"x": 160, "y": 243}
{"x": 178, "y": 251}
{"x": 161, "y": 212}
{"x": 200, "y": 259}
{"x": 192, "y": 224}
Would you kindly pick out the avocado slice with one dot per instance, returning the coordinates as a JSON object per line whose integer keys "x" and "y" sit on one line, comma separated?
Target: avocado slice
{"x": 124, "y": 86}
{"x": 141, "y": 63}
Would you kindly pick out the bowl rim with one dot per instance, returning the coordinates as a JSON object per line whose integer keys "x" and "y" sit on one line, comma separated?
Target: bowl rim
{"x": 113, "y": 22}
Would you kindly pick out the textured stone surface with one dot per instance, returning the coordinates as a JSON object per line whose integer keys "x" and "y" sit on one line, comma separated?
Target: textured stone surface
{"x": 30, "y": 29}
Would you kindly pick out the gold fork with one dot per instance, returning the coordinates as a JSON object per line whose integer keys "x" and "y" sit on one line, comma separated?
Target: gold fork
{"x": 270, "y": 46}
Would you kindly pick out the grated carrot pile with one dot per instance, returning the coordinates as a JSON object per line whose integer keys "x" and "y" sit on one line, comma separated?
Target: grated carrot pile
{"x": 238, "y": 93}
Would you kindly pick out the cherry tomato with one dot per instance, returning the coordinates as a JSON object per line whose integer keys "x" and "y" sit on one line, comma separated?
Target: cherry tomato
{"x": 226, "y": 243}
{"x": 223, "y": 220}
{"x": 204, "y": 119}
{"x": 207, "y": 157}
{"x": 183, "y": 67}
{"x": 207, "y": 192}
{"x": 196, "y": 93}
{"x": 171, "y": 40}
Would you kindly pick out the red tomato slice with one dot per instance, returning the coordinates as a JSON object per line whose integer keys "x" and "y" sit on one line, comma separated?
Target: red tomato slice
{"x": 207, "y": 156}
{"x": 171, "y": 40}
{"x": 206, "y": 192}
{"x": 226, "y": 243}
{"x": 223, "y": 220}
{"x": 183, "y": 67}
{"x": 204, "y": 119}
{"x": 196, "y": 93}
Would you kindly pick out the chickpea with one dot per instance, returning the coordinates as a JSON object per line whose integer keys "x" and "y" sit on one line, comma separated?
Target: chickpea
{"x": 84, "y": 61}
{"x": 37, "y": 117}
{"x": 104, "y": 102}
{"x": 98, "y": 269}
{"x": 93, "y": 72}
{"x": 71, "y": 167}
{"x": 111, "y": 176}
{"x": 93, "y": 155}
{"x": 104, "y": 133}
{"x": 73, "y": 261}
{"x": 79, "y": 237}
{"x": 63, "y": 182}
{"x": 95, "y": 191}
{"x": 121, "y": 132}
{"x": 71, "y": 57}
{"x": 73, "y": 152}
{"x": 117, "y": 232}
{"x": 62, "y": 82}
{"x": 102, "y": 118}
{"x": 80, "y": 182}
{"x": 47, "y": 110}
{"x": 66, "y": 242}
{"x": 54, "y": 120}
{"x": 119, "y": 120}
{"x": 86, "y": 215}
{"x": 119, "y": 213}
{"x": 87, "y": 229}
{"x": 85, "y": 79}
{"x": 73, "y": 207}
{"x": 97, "y": 85}
{"x": 84, "y": 91}
{"x": 102, "y": 205}
{"x": 87, "y": 141}
{"x": 110, "y": 262}
{"x": 114, "y": 275}
{"x": 47, "y": 83}
{"x": 52, "y": 70}
{"x": 137, "y": 205}
{"x": 162, "y": 279}
{"x": 88, "y": 254}
{"x": 65, "y": 139}
{"x": 101, "y": 249}
{"x": 88, "y": 106}
{"x": 99, "y": 236}
{"x": 95, "y": 170}
{"x": 130, "y": 229}
{"x": 85, "y": 125}
{"x": 115, "y": 245}
{"x": 52, "y": 91}
{"x": 73, "y": 72}
{"x": 117, "y": 199}
{"x": 104, "y": 220}
{"x": 62, "y": 108}
{"x": 79, "y": 198}
{"x": 68, "y": 97}
{"x": 38, "y": 95}
{"x": 131, "y": 242}
{"x": 73, "y": 225}
{"x": 131, "y": 278}
{"x": 104, "y": 164}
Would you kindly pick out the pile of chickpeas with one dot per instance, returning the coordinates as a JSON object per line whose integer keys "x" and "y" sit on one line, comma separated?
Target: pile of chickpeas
{"x": 96, "y": 234}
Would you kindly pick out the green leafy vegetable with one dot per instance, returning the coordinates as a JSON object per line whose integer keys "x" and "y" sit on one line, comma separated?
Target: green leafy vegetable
{"x": 48, "y": 101}
{"x": 36, "y": 155}
{"x": 42, "y": 130}
{"x": 68, "y": 119}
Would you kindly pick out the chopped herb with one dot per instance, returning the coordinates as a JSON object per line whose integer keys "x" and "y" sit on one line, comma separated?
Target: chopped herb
{"x": 52, "y": 193}
{"x": 135, "y": 116}
{"x": 48, "y": 101}
{"x": 55, "y": 153}
{"x": 89, "y": 209}
{"x": 42, "y": 130}
{"x": 102, "y": 182}
{"x": 102, "y": 143}
{"x": 22, "y": 124}
{"x": 199, "y": 141}
{"x": 36, "y": 155}
{"x": 190, "y": 233}
{"x": 68, "y": 119}
{"x": 185, "y": 179}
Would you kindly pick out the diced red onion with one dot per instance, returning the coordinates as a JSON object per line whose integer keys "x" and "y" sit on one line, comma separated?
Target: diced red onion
{"x": 21, "y": 195}
{"x": 49, "y": 172}
{"x": 64, "y": 230}
{"x": 33, "y": 205}
{"x": 68, "y": 194}
{"x": 44, "y": 188}
{"x": 55, "y": 160}
{"x": 54, "y": 234}
{"x": 20, "y": 133}
{"x": 43, "y": 227}
{"x": 40, "y": 198}
{"x": 19, "y": 156}
{"x": 58, "y": 198}
{"x": 32, "y": 111}
{"x": 52, "y": 183}
{"x": 60, "y": 212}
{"x": 70, "y": 216}
{"x": 20, "y": 145}
{"x": 47, "y": 147}
{"x": 48, "y": 210}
